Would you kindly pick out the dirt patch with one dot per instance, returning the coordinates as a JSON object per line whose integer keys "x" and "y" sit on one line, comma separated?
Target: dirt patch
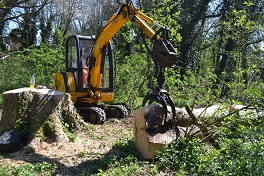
{"x": 89, "y": 145}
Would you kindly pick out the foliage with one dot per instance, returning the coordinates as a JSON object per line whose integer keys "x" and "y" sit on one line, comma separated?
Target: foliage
{"x": 191, "y": 88}
{"x": 21, "y": 125}
{"x": 164, "y": 14}
{"x": 130, "y": 166}
{"x": 181, "y": 156}
{"x": 241, "y": 151}
{"x": 29, "y": 169}
{"x": 44, "y": 62}
{"x": 132, "y": 79}
{"x": 254, "y": 94}
{"x": 70, "y": 132}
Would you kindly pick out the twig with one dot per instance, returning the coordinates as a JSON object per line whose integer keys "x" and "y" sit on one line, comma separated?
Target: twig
{"x": 203, "y": 128}
{"x": 5, "y": 57}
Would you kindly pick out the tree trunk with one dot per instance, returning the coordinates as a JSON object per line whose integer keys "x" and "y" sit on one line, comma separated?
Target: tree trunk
{"x": 149, "y": 144}
{"x": 40, "y": 114}
{"x": 189, "y": 122}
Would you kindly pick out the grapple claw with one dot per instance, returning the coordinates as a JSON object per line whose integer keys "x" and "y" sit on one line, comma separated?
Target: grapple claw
{"x": 162, "y": 97}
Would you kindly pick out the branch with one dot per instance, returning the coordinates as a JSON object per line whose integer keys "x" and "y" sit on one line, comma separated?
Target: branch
{"x": 252, "y": 42}
{"x": 28, "y": 13}
{"x": 203, "y": 128}
{"x": 5, "y": 57}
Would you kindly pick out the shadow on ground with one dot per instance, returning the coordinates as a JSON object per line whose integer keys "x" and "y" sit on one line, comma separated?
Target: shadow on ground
{"x": 88, "y": 167}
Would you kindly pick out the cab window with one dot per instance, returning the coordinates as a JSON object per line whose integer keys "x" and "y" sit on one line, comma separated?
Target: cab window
{"x": 72, "y": 53}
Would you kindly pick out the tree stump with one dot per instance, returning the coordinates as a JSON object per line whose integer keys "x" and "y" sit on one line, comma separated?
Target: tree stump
{"x": 41, "y": 113}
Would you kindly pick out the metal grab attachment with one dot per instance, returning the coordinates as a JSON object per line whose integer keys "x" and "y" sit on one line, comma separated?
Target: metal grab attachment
{"x": 162, "y": 97}
{"x": 163, "y": 51}
{"x": 163, "y": 56}
{"x": 157, "y": 125}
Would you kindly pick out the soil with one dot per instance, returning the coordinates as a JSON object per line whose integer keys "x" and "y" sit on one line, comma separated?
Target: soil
{"x": 71, "y": 157}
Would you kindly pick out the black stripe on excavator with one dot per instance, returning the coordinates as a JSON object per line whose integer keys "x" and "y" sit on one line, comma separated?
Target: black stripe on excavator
{"x": 103, "y": 60}
{"x": 65, "y": 77}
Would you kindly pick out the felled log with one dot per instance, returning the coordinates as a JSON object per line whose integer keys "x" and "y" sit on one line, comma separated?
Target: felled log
{"x": 192, "y": 122}
{"x": 149, "y": 141}
{"x": 39, "y": 113}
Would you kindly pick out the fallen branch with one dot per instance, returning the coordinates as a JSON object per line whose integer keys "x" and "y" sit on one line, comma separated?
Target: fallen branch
{"x": 5, "y": 57}
{"x": 203, "y": 128}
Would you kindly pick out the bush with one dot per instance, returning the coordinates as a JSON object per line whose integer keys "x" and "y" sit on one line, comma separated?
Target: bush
{"x": 29, "y": 169}
{"x": 132, "y": 80}
{"x": 241, "y": 153}
{"x": 43, "y": 61}
{"x": 191, "y": 88}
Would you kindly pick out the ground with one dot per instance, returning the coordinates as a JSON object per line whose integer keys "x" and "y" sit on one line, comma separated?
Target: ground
{"x": 70, "y": 157}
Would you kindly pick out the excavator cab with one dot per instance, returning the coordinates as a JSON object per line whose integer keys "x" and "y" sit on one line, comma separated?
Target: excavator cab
{"x": 79, "y": 61}
{"x": 76, "y": 79}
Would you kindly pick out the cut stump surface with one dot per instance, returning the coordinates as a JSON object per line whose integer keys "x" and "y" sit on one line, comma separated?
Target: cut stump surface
{"x": 42, "y": 113}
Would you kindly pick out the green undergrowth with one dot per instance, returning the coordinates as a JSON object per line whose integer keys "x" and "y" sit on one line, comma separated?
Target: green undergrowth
{"x": 35, "y": 169}
{"x": 126, "y": 160}
{"x": 241, "y": 153}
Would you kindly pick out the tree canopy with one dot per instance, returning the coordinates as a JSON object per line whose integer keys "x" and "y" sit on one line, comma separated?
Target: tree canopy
{"x": 219, "y": 41}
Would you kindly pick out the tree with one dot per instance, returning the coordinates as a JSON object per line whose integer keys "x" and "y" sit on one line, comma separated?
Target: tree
{"x": 46, "y": 19}
{"x": 238, "y": 28}
{"x": 192, "y": 20}
{"x": 13, "y": 10}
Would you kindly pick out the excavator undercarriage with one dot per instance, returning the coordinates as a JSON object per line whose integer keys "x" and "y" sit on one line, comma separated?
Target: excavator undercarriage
{"x": 96, "y": 114}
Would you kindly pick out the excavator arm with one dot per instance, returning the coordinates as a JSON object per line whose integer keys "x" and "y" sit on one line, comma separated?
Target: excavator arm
{"x": 163, "y": 53}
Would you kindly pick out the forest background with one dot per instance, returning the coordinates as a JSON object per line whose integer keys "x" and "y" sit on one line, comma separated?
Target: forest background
{"x": 219, "y": 42}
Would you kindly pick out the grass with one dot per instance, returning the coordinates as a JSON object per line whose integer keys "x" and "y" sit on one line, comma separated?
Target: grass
{"x": 241, "y": 153}
{"x": 125, "y": 160}
{"x": 35, "y": 169}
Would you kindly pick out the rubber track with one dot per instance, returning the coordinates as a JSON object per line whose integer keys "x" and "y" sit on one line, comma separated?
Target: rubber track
{"x": 121, "y": 108}
{"x": 101, "y": 116}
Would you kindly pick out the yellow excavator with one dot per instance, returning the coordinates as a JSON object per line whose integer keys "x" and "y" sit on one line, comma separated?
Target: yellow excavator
{"x": 89, "y": 71}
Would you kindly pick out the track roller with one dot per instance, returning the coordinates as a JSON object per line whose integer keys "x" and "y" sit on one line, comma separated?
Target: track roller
{"x": 93, "y": 115}
{"x": 116, "y": 111}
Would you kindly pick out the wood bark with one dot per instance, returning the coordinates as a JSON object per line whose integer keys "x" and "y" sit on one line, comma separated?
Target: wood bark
{"x": 148, "y": 142}
{"x": 40, "y": 113}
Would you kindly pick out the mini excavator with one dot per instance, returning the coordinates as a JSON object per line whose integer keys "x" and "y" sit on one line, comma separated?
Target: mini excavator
{"x": 89, "y": 81}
